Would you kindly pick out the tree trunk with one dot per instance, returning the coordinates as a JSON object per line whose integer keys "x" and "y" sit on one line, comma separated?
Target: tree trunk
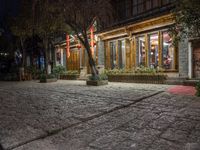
{"x": 92, "y": 64}
{"x": 23, "y": 53}
{"x": 46, "y": 54}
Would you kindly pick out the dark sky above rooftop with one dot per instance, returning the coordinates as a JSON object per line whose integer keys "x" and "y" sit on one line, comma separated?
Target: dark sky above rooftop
{"x": 8, "y": 8}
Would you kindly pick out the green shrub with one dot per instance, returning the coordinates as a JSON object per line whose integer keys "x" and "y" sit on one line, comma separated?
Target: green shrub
{"x": 198, "y": 89}
{"x": 117, "y": 71}
{"x": 103, "y": 76}
{"x": 59, "y": 70}
{"x": 51, "y": 76}
{"x": 143, "y": 69}
{"x": 70, "y": 72}
{"x": 43, "y": 77}
{"x": 35, "y": 73}
{"x": 100, "y": 77}
{"x": 137, "y": 70}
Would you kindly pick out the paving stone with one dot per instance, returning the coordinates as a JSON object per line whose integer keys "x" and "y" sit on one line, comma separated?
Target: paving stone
{"x": 70, "y": 115}
{"x": 162, "y": 144}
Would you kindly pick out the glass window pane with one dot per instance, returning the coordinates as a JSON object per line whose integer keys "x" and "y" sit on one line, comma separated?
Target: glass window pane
{"x": 113, "y": 54}
{"x": 153, "y": 50}
{"x": 141, "y": 51}
{"x": 167, "y": 52}
{"x": 121, "y": 53}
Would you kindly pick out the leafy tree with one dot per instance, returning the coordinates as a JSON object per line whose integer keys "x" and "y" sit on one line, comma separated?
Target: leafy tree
{"x": 22, "y": 25}
{"x": 47, "y": 22}
{"x": 187, "y": 19}
{"x": 80, "y": 15}
{"x": 37, "y": 17}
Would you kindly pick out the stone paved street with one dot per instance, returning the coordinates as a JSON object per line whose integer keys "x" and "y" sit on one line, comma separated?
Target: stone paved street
{"x": 68, "y": 115}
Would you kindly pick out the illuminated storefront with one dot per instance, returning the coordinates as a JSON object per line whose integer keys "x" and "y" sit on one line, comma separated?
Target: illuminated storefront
{"x": 145, "y": 44}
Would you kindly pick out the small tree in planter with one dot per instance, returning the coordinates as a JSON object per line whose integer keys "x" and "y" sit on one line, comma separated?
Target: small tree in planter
{"x": 198, "y": 89}
{"x": 80, "y": 16}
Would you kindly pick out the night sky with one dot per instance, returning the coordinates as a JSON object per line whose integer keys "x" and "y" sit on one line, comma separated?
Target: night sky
{"x": 7, "y": 8}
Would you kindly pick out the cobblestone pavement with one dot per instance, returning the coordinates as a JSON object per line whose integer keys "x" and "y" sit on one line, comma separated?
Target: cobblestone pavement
{"x": 68, "y": 115}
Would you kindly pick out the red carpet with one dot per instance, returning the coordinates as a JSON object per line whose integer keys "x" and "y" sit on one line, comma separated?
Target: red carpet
{"x": 182, "y": 90}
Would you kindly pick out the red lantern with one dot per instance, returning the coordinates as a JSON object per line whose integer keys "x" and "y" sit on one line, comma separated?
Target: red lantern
{"x": 68, "y": 45}
{"x": 92, "y": 39}
{"x": 78, "y": 46}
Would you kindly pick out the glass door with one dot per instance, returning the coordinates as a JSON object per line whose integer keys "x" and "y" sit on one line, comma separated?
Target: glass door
{"x": 153, "y": 50}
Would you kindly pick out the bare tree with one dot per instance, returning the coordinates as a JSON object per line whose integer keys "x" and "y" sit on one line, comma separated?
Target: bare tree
{"x": 80, "y": 15}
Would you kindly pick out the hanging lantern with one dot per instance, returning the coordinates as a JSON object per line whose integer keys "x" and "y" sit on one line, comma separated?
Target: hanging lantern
{"x": 92, "y": 39}
{"x": 78, "y": 46}
{"x": 68, "y": 45}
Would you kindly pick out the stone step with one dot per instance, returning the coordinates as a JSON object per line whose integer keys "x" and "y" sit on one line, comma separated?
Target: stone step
{"x": 174, "y": 82}
{"x": 190, "y": 82}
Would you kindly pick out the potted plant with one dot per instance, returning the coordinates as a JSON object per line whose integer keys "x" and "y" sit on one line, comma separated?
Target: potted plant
{"x": 102, "y": 79}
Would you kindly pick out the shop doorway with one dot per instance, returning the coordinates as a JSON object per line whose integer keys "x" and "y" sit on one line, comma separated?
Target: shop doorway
{"x": 73, "y": 62}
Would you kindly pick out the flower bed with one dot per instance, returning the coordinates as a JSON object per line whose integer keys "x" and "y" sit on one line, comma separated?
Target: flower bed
{"x": 138, "y": 78}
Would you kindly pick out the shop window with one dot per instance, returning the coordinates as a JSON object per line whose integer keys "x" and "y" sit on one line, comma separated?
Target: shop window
{"x": 58, "y": 56}
{"x": 121, "y": 53}
{"x": 113, "y": 59}
{"x": 153, "y": 50}
{"x": 167, "y": 51}
{"x": 141, "y": 50}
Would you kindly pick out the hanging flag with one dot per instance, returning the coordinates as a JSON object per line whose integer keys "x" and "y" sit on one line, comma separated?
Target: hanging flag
{"x": 68, "y": 45}
{"x": 92, "y": 39}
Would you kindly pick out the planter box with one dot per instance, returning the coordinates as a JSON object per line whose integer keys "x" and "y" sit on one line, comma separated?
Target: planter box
{"x": 69, "y": 77}
{"x": 48, "y": 80}
{"x": 97, "y": 83}
{"x": 139, "y": 78}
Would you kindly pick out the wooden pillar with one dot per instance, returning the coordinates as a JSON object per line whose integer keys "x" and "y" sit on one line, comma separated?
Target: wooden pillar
{"x": 146, "y": 50}
{"x": 128, "y": 53}
{"x": 160, "y": 47}
{"x": 175, "y": 66}
{"x": 134, "y": 52}
{"x": 117, "y": 53}
{"x": 131, "y": 54}
{"x": 107, "y": 55}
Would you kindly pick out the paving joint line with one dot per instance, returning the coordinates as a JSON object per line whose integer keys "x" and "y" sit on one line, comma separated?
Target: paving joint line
{"x": 54, "y": 132}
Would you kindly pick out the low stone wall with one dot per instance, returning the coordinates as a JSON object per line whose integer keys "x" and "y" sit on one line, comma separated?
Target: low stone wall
{"x": 139, "y": 78}
{"x": 69, "y": 77}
